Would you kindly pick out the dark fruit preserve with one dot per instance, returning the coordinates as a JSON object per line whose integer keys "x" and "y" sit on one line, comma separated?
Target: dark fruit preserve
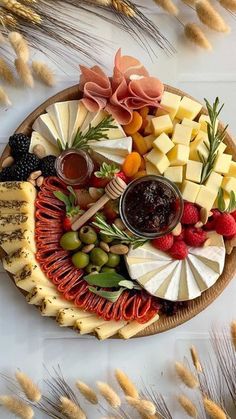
{"x": 151, "y": 206}
{"x": 74, "y": 167}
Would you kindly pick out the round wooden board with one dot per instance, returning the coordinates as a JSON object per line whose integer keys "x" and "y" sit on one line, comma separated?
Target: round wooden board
{"x": 195, "y": 306}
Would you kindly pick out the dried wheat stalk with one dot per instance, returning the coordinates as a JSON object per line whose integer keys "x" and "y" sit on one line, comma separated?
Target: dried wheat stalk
{"x": 194, "y": 34}
{"x": 43, "y": 73}
{"x": 186, "y": 376}
{"x": 88, "y": 393}
{"x": 126, "y": 384}
{"x": 5, "y": 72}
{"x": 109, "y": 394}
{"x": 70, "y": 409}
{"x": 20, "y": 45}
{"x": 228, "y": 4}
{"x": 188, "y": 406}
{"x": 22, "y": 11}
{"x": 168, "y": 6}
{"x": 233, "y": 333}
{"x": 30, "y": 389}
{"x": 144, "y": 407}
{"x": 213, "y": 410}
{"x": 121, "y": 6}
{"x": 7, "y": 19}
{"x": 210, "y": 17}
{"x": 24, "y": 72}
{"x": 4, "y": 99}
{"x": 195, "y": 358}
{"x": 17, "y": 407}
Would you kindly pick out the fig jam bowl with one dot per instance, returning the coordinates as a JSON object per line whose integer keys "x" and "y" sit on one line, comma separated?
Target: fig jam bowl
{"x": 151, "y": 206}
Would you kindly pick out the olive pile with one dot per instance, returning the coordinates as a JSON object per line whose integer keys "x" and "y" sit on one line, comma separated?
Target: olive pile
{"x": 88, "y": 248}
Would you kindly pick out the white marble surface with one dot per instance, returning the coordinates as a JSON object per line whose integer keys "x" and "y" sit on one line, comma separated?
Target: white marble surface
{"x": 29, "y": 341}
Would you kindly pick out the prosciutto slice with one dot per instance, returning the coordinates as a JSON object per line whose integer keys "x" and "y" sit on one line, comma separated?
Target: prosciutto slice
{"x": 96, "y": 87}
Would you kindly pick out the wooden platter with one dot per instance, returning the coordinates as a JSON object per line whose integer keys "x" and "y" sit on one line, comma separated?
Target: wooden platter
{"x": 195, "y": 306}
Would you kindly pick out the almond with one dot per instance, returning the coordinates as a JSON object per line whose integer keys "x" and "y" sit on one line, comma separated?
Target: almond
{"x": 31, "y": 181}
{"x": 204, "y": 215}
{"x": 35, "y": 175}
{"x": 119, "y": 249}
{"x": 40, "y": 181}
{"x": 88, "y": 248}
{"x": 104, "y": 246}
{"x": 228, "y": 247}
{"x": 177, "y": 230}
{"x": 7, "y": 162}
{"x": 199, "y": 224}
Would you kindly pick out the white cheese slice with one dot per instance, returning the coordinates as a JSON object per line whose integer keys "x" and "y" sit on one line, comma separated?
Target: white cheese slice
{"x": 101, "y": 156}
{"x": 59, "y": 113}
{"x": 121, "y": 147}
{"x": 188, "y": 288}
{"x": 207, "y": 275}
{"x": 172, "y": 291}
{"x": 38, "y": 139}
{"x": 148, "y": 251}
{"x": 45, "y": 126}
{"x": 136, "y": 271}
{"x": 77, "y": 115}
{"x": 93, "y": 119}
{"x": 159, "y": 280}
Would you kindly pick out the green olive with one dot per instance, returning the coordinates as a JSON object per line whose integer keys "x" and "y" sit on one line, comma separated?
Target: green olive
{"x": 98, "y": 257}
{"x": 107, "y": 269}
{"x": 80, "y": 260}
{"x": 87, "y": 235}
{"x": 92, "y": 269}
{"x": 105, "y": 238}
{"x": 70, "y": 241}
{"x": 113, "y": 260}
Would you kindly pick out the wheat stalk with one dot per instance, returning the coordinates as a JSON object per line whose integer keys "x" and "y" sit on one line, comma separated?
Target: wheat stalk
{"x": 126, "y": 384}
{"x": 210, "y": 17}
{"x": 6, "y": 19}
{"x": 70, "y": 409}
{"x": 233, "y": 333}
{"x": 24, "y": 72}
{"x": 195, "y": 359}
{"x": 17, "y": 407}
{"x": 194, "y": 34}
{"x": 121, "y": 6}
{"x": 144, "y": 407}
{"x": 168, "y": 6}
{"x": 5, "y": 72}
{"x": 30, "y": 389}
{"x": 20, "y": 45}
{"x": 186, "y": 376}
{"x": 213, "y": 410}
{"x": 43, "y": 73}
{"x": 228, "y": 4}
{"x": 188, "y": 406}
{"x": 88, "y": 393}
{"x": 4, "y": 99}
{"x": 25, "y": 12}
{"x": 109, "y": 394}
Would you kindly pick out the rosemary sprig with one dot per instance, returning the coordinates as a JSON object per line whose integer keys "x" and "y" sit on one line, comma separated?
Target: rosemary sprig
{"x": 94, "y": 133}
{"x": 221, "y": 202}
{"x": 215, "y": 137}
{"x": 117, "y": 234}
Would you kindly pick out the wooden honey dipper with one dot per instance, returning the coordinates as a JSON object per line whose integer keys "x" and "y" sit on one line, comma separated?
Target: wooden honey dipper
{"x": 113, "y": 190}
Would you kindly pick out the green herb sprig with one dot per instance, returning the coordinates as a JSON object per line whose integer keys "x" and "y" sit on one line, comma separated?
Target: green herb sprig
{"x": 215, "y": 137}
{"x": 221, "y": 202}
{"x": 116, "y": 234}
{"x": 94, "y": 133}
{"x": 70, "y": 201}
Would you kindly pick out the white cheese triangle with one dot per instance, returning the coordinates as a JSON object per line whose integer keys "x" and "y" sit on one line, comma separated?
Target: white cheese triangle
{"x": 148, "y": 251}
{"x": 172, "y": 291}
{"x": 37, "y": 139}
{"x": 202, "y": 272}
{"x": 77, "y": 115}
{"x": 101, "y": 156}
{"x": 59, "y": 113}
{"x": 160, "y": 280}
{"x": 138, "y": 270}
{"x": 45, "y": 127}
{"x": 92, "y": 119}
{"x": 121, "y": 147}
{"x": 188, "y": 287}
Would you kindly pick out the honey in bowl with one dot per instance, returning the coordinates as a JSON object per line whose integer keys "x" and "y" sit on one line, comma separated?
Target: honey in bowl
{"x": 74, "y": 167}
{"x": 151, "y": 206}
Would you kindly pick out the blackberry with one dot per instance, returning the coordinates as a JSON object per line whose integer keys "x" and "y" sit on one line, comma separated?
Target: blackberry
{"x": 19, "y": 144}
{"x": 48, "y": 166}
{"x": 27, "y": 164}
{"x": 6, "y": 174}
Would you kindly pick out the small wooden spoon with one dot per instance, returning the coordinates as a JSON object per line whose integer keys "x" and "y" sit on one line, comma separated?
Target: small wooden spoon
{"x": 113, "y": 190}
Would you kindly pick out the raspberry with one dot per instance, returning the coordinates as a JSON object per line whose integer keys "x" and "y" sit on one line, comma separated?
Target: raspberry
{"x": 233, "y": 214}
{"x": 190, "y": 214}
{"x": 211, "y": 222}
{"x": 163, "y": 243}
{"x": 180, "y": 236}
{"x": 179, "y": 250}
{"x": 195, "y": 236}
{"x": 225, "y": 225}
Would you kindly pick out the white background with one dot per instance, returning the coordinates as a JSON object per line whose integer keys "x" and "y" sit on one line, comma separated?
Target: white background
{"x": 28, "y": 341}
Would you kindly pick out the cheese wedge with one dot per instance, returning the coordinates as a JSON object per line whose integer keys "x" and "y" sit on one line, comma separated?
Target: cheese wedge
{"x": 9, "y": 222}
{"x": 45, "y": 127}
{"x": 77, "y": 115}
{"x": 59, "y": 114}
{"x": 101, "y": 156}
{"x": 14, "y": 240}
{"x": 18, "y": 191}
{"x": 37, "y": 139}
{"x": 39, "y": 292}
{"x": 120, "y": 147}
{"x": 16, "y": 261}
{"x": 68, "y": 316}
{"x": 30, "y": 276}
{"x": 93, "y": 119}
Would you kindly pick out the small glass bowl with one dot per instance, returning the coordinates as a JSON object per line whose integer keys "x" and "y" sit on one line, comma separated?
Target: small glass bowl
{"x": 175, "y": 220}
{"x": 88, "y": 166}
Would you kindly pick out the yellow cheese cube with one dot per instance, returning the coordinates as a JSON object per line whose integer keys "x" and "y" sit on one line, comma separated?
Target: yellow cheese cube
{"x": 149, "y": 141}
{"x": 174, "y": 173}
{"x": 148, "y": 128}
{"x": 161, "y": 124}
{"x": 214, "y": 181}
{"x": 198, "y": 147}
{"x": 232, "y": 169}
{"x": 159, "y": 160}
{"x": 206, "y": 197}
{"x": 229, "y": 184}
{"x": 188, "y": 108}
{"x": 194, "y": 171}
{"x": 222, "y": 163}
{"x": 151, "y": 169}
{"x": 163, "y": 143}
{"x": 221, "y": 148}
{"x": 179, "y": 155}
{"x": 204, "y": 119}
{"x": 190, "y": 190}
{"x": 170, "y": 104}
{"x": 181, "y": 134}
{"x": 193, "y": 124}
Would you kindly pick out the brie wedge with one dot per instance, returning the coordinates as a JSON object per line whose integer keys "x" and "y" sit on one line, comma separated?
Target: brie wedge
{"x": 77, "y": 115}
{"x": 45, "y": 126}
{"x": 37, "y": 139}
{"x": 59, "y": 113}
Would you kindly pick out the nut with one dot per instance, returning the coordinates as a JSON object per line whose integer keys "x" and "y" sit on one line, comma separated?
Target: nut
{"x": 199, "y": 224}
{"x": 40, "y": 181}
{"x": 119, "y": 249}
{"x": 207, "y": 242}
{"x": 104, "y": 246}
{"x": 119, "y": 224}
{"x": 7, "y": 162}
{"x": 96, "y": 193}
{"x": 32, "y": 181}
{"x": 228, "y": 247}
{"x": 88, "y": 248}
{"x": 177, "y": 230}
{"x": 35, "y": 175}
{"x": 204, "y": 215}
{"x": 39, "y": 151}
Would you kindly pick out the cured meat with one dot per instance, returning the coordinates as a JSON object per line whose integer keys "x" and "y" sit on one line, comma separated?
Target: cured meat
{"x": 96, "y": 87}
{"x": 57, "y": 265}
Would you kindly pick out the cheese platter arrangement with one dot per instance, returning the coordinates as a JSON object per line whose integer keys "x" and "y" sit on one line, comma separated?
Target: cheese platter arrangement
{"x": 118, "y": 204}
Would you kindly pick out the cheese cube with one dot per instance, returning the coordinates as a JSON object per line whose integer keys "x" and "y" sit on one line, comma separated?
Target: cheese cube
{"x": 198, "y": 147}
{"x": 229, "y": 184}
{"x": 214, "y": 181}
{"x": 222, "y": 163}
{"x": 151, "y": 169}
{"x": 204, "y": 120}
{"x": 221, "y": 148}
{"x": 193, "y": 124}
{"x": 163, "y": 143}
{"x": 179, "y": 155}
{"x": 190, "y": 190}
{"x": 206, "y": 197}
{"x": 170, "y": 104}
{"x": 149, "y": 141}
{"x": 232, "y": 169}
{"x": 188, "y": 108}
{"x": 182, "y": 134}
{"x": 148, "y": 128}
{"x": 162, "y": 124}
{"x": 174, "y": 173}
{"x": 159, "y": 160}
{"x": 194, "y": 171}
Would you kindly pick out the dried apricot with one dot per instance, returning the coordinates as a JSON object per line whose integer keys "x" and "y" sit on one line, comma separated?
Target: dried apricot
{"x": 139, "y": 143}
{"x": 140, "y": 174}
{"x": 144, "y": 112}
{"x": 135, "y": 124}
{"x": 132, "y": 164}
